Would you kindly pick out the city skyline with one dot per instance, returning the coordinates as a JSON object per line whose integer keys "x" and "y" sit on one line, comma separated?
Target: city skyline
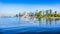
{"x": 16, "y": 6}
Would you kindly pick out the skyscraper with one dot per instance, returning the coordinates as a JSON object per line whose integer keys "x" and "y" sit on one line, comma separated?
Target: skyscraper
{"x": 47, "y": 12}
{"x": 50, "y": 11}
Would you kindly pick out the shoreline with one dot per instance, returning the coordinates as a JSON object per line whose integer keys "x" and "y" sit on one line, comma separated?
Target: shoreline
{"x": 52, "y": 17}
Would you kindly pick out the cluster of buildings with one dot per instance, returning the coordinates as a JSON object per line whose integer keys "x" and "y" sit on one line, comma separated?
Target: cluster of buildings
{"x": 32, "y": 14}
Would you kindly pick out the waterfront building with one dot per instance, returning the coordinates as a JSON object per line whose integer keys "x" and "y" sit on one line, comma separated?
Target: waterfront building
{"x": 47, "y": 12}
{"x": 25, "y": 15}
{"x": 55, "y": 13}
{"x": 16, "y": 15}
{"x": 50, "y": 11}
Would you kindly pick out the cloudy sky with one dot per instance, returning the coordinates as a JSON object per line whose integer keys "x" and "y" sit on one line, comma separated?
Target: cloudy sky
{"x": 16, "y": 6}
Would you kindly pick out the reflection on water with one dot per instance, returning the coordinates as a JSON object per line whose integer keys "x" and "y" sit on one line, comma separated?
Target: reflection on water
{"x": 49, "y": 21}
{"x": 21, "y": 25}
{"x": 4, "y": 22}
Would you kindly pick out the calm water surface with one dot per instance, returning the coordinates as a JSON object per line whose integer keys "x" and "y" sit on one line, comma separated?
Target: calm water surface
{"x": 19, "y": 25}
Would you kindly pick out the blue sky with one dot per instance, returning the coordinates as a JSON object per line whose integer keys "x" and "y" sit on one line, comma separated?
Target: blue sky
{"x": 16, "y": 6}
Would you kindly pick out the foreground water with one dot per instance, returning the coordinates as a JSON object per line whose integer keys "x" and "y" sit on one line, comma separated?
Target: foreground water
{"x": 18, "y": 25}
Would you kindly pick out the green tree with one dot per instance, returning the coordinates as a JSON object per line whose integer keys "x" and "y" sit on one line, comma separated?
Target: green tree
{"x": 39, "y": 14}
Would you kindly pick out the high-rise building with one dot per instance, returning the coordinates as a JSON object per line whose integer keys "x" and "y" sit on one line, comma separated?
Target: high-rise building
{"x": 55, "y": 12}
{"x": 47, "y": 12}
{"x": 16, "y": 15}
{"x": 50, "y": 11}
